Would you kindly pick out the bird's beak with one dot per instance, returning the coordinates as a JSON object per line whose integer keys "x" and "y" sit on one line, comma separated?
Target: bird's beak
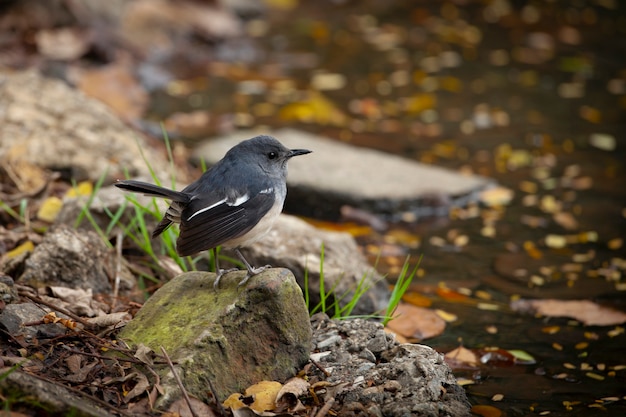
{"x": 296, "y": 152}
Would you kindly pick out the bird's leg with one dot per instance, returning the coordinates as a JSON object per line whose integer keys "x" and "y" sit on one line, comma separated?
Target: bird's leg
{"x": 219, "y": 272}
{"x": 251, "y": 270}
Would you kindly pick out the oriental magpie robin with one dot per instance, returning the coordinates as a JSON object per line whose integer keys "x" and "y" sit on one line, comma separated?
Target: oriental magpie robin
{"x": 233, "y": 204}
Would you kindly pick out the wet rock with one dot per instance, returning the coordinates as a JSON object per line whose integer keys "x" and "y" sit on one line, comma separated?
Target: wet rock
{"x": 46, "y": 123}
{"x": 296, "y": 245}
{"x": 377, "y": 376}
{"x": 233, "y": 337}
{"x": 70, "y": 258}
{"x": 338, "y": 174}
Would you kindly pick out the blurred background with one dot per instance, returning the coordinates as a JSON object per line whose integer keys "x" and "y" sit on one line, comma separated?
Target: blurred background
{"x": 531, "y": 94}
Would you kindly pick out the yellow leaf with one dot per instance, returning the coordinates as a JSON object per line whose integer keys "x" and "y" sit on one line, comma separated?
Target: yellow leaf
{"x": 315, "y": 109}
{"x": 84, "y": 188}
{"x": 233, "y": 402}
{"x": 49, "y": 209}
{"x": 23, "y": 248}
{"x": 416, "y": 299}
{"x": 420, "y": 102}
{"x": 452, "y": 84}
{"x": 486, "y": 411}
{"x": 448, "y": 317}
{"x": 264, "y": 394}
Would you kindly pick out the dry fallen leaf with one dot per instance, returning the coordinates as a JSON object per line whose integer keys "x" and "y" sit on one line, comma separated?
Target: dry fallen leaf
{"x": 295, "y": 386}
{"x": 585, "y": 311}
{"x": 416, "y": 322}
{"x": 461, "y": 357}
{"x": 180, "y": 408}
{"x": 264, "y": 394}
{"x": 49, "y": 209}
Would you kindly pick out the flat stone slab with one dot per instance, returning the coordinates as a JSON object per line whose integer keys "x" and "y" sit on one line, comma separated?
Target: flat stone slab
{"x": 337, "y": 174}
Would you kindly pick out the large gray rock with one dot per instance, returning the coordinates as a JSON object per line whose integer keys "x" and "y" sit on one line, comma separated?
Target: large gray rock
{"x": 46, "y": 123}
{"x": 233, "y": 337}
{"x": 337, "y": 174}
{"x": 70, "y": 258}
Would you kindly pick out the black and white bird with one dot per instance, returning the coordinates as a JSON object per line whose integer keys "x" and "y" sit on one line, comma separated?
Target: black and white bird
{"x": 233, "y": 204}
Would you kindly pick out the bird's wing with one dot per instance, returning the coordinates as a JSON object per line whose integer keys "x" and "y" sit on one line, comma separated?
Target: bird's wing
{"x": 207, "y": 224}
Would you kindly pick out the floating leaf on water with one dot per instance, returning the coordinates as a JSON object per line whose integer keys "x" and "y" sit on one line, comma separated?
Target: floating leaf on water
{"x": 585, "y": 311}
{"x": 498, "y": 196}
{"x": 416, "y": 299}
{"x": 583, "y": 257}
{"x": 448, "y": 317}
{"x": 549, "y": 204}
{"x": 483, "y": 295}
{"x": 416, "y": 322}
{"x": 555, "y": 241}
{"x": 522, "y": 357}
{"x": 595, "y": 376}
{"x": 464, "y": 381}
{"x": 451, "y": 295}
{"x": 491, "y": 329}
{"x": 603, "y": 141}
{"x": 486, "y": 411}
{"x": 497, "y": 357}
{"x": 497, "y": 397}
{"x": 461, "y": 241}
{"x": 565, "y": 220}
{"x": 590, "y": 114}
{"x": 328, "y": 81}
{"x": 551, "y": 329}
{"x": 437, "y": 241}
{"x": 461, "y": 356}
{"x": 488, "y": 231}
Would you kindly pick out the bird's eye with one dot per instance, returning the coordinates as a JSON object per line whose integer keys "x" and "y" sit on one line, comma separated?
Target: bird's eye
{"x": 272, "y": 155}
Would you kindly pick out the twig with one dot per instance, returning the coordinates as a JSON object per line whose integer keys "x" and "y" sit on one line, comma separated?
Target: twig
{"x": 326, "y": 408}
{"x": 220, "y": 407}
{"x": 118, "y": 266}
{"x": 59, "y": 309}
{"x": 320, "y": 367}
{"x": 178, "y": 381}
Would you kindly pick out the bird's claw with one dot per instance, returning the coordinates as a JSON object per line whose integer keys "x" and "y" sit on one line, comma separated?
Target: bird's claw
{"x": 219, "y": 276}
{"x": 252, "y": 272}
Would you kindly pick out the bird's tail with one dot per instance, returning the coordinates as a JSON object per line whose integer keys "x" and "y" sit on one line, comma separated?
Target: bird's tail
{"x": 152, "y": 190}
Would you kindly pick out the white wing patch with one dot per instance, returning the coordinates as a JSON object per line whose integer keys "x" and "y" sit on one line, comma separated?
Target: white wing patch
{"x": 267, "y": 191}
{"x": 240, "y": 200}
{"x": 202, "y": 210}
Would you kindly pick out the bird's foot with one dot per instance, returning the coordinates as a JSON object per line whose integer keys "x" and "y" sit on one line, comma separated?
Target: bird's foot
{"x": 252, "y": 271}
{"x": 220, "y": 274}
